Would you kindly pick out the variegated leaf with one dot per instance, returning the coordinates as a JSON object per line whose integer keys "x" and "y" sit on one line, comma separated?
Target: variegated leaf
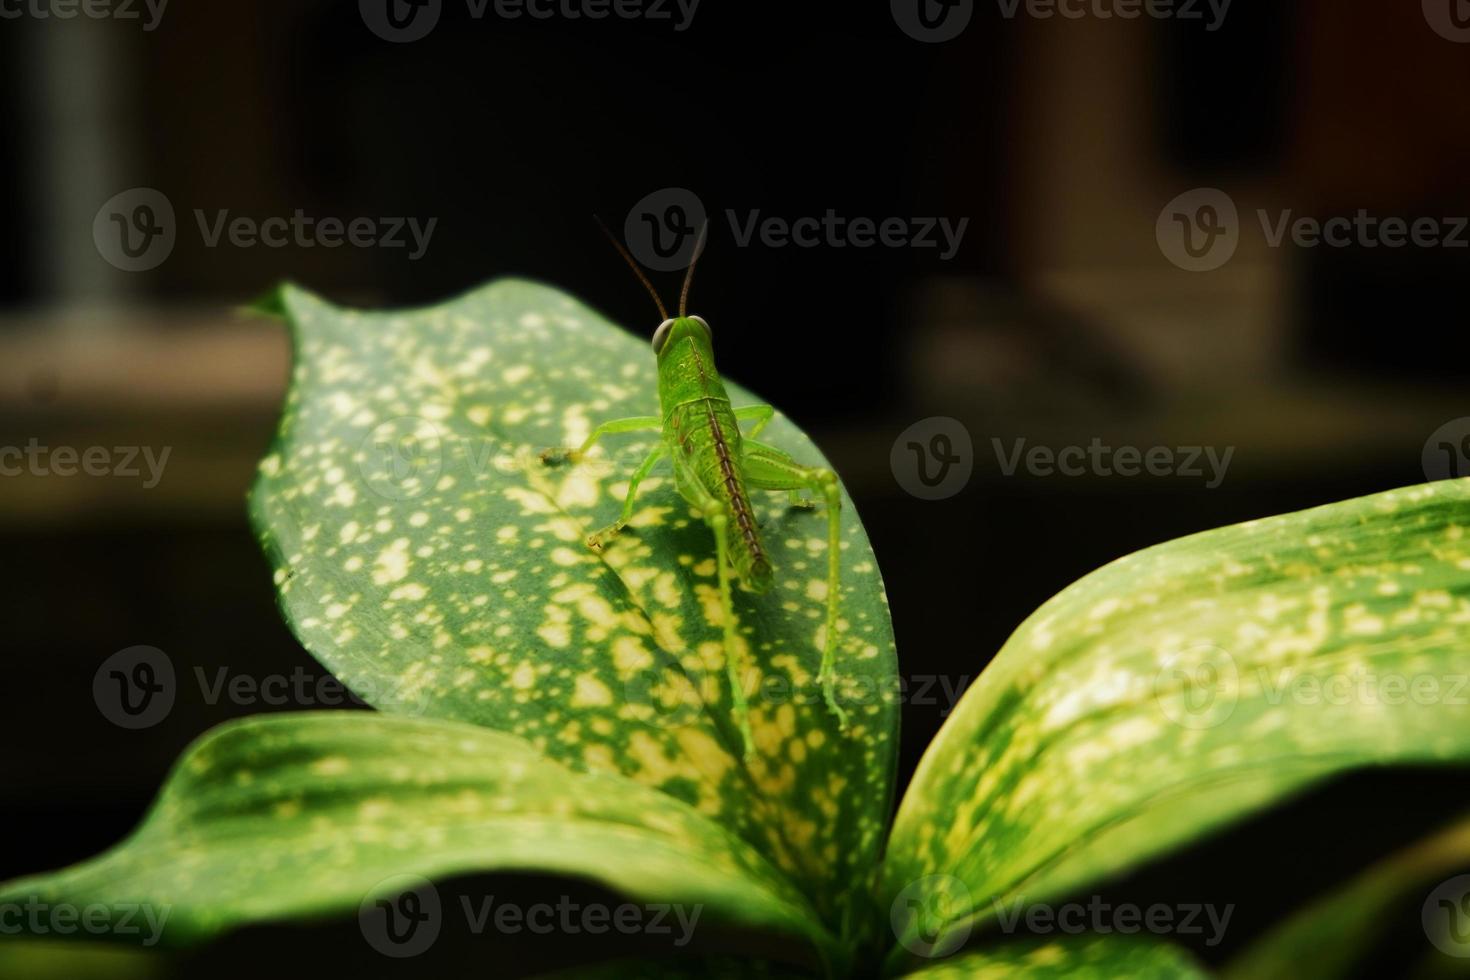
{"x": 1189, "y": 684}
{"x": 1069, "y": 958}
{"x": 427, "y": 556}
{"x": 295, "y": 816}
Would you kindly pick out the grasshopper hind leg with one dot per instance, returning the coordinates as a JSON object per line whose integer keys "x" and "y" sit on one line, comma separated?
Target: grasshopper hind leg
{"x": 768, "y": 468}
{"x": 732, "y": 668}
{"x": 716, "y": 517}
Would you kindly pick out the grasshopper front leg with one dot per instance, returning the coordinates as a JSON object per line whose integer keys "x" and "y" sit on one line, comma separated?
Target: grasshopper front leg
{"x": 637, "y": 423}
{"x": 768, "y": 468}
{"x": 598, "y": 538}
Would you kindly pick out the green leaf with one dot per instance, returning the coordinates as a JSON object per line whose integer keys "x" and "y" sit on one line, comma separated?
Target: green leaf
{"x": 1072, "y": 958}
{"x": 301, "y": 816}
{"x": 60, "y": 959}
{"x": 689, "y": 968}
{"x": 1328, "y": 937}
{"x": 426, "y": 555}
{"x": 1189, "y": 684}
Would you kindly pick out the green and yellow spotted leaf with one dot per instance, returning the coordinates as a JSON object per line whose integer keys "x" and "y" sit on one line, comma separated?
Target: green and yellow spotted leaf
{"x": 1069, "y": 958}
{"x": 426, "y": 555}
{"x": 307, "y": 815}
{"x": 1189, "y": 684}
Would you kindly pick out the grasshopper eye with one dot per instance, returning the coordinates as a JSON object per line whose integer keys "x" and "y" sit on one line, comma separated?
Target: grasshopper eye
{"x": 661, "y": 335}
{"x": 700, "y": 320}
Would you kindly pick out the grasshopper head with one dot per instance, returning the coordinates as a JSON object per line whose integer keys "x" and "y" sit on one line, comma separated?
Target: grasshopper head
{"x": 677, "y": 328}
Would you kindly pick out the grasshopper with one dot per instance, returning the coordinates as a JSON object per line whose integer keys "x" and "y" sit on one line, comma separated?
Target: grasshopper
{"x": 715, "y": 466}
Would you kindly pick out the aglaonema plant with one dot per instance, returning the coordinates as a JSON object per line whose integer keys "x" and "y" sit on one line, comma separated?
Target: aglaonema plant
{"x": 548, "y": 708}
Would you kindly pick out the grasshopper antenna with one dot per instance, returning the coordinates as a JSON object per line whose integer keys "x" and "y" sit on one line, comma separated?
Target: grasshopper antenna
{"x": 633, "y": 264}
{"x": 689, "y": 275}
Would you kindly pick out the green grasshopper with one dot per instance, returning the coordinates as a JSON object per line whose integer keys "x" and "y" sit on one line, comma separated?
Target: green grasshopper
{"x": 715, "y": 466}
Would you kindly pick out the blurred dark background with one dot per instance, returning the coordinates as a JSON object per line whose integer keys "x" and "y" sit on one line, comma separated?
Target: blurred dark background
{"x": 1061, "y": 317}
